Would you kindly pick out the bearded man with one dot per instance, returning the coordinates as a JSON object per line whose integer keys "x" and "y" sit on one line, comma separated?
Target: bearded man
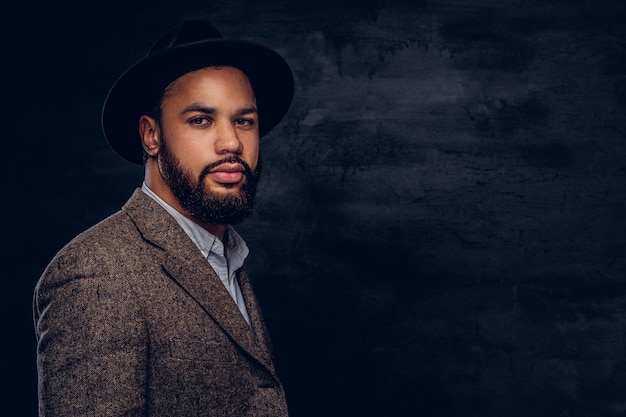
{"x": 149, "y": 312}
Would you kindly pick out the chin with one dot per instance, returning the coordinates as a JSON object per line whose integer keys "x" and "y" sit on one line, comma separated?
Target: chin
{"x": 226, "y": 188}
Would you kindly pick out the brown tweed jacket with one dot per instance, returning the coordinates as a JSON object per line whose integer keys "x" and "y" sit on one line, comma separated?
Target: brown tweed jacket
{"x": 131, "y": 320}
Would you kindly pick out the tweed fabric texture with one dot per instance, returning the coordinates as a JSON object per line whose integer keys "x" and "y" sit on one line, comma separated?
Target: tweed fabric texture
{"x": 131, "y": 320}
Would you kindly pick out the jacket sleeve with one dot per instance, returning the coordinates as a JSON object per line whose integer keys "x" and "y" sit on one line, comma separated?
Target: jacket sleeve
{"x": 91, "y": 341}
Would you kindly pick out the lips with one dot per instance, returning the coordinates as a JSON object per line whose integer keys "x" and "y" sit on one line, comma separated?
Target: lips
{"x": 227, "y": 173}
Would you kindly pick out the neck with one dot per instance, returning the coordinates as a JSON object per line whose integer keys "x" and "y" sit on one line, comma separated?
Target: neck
{"x": 217, "y": 230}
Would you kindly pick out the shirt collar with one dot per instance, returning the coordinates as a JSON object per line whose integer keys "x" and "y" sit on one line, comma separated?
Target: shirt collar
{"x": 236, "y": 249}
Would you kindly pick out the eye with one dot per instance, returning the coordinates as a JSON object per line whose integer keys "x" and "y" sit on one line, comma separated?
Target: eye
{"x": 244, "y": 122}
{"x": 200, "y": 121}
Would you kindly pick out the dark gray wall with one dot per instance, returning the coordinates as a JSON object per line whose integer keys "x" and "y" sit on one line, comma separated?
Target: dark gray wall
{"x": 440, "y": 229}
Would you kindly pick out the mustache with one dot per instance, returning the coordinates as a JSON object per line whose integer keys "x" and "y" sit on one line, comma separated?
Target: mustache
{"x": 233, "y": 159}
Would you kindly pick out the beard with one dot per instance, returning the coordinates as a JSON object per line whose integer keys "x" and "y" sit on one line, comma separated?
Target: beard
{"x": 199, "y": 200}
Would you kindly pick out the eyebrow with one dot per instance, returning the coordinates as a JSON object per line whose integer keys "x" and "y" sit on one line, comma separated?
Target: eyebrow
{"x": 212, "y": 110}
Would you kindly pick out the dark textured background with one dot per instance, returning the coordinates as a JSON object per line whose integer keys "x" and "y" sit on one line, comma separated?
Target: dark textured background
{"x": 440, "y": 229}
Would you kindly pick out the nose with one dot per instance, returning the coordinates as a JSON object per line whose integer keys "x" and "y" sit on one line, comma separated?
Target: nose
{"x": 227, "y": 141}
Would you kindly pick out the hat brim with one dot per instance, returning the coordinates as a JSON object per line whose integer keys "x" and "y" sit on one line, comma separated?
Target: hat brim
{"x": 137, "y": 89}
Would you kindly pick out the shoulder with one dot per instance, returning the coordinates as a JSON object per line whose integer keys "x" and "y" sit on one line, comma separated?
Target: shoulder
{"x": 113, "y": 239}
{"x": 96, "y": 247}
{"x": 128, "y": 246}
{"x": 110, "y": 247}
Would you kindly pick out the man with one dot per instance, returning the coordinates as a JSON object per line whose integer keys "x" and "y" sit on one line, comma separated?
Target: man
{"x": 149, "y": 313}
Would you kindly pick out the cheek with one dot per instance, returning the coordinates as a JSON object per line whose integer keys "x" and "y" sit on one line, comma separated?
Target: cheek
{"x": 252, "y": 153}
{"x": 254, "y": 161}
{"x": 254, "y": 156}
{"x": 192, "y": 161}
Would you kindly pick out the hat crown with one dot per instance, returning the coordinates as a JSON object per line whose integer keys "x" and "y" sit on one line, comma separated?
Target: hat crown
{"x": 186, "y": 33}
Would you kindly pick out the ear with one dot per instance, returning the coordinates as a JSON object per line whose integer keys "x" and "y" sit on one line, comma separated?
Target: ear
{"x": 149, "y": 132}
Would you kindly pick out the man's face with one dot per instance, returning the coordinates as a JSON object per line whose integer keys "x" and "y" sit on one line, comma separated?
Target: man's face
{"x": 209, "y": 148}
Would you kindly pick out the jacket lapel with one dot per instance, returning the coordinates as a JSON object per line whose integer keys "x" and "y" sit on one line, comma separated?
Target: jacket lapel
{"x": 185, "y": 264}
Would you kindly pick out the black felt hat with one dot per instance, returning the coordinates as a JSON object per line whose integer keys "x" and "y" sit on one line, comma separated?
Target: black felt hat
{"x": 189, "y": 46}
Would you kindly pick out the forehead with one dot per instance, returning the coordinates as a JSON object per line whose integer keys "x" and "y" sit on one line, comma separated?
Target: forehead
{"x": 211, "y": 82}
